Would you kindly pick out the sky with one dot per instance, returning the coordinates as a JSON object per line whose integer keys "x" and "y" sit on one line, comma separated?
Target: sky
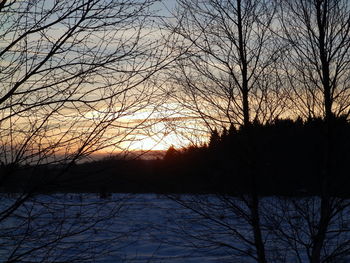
{"x": 125, "y": 109}
{"x": 69, "y": 104}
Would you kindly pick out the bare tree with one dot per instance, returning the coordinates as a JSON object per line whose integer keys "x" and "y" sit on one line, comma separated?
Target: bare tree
{"x": 228, "y": 75}
{"x": 317, "y": 65}
{"x": 318, "y": 38}
{"x": 230, "y": 55}
{"x": 229, "y": 59}
{"x": 83, "y": 61}
{"x": 72, "y": 72}
{"x": 296, "y": 222}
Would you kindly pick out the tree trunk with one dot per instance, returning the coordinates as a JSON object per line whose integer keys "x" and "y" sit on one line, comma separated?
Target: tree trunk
{"x": 254, "y": 205}
{"x": 322, "y": 11}
{"x": 325, "y": 209}
{"x": 319, "y": 238}
{"x": 258, "y": 240}
{"x": 244, "y": 67}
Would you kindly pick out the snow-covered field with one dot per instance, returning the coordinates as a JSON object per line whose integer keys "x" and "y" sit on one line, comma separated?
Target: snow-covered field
{"x": 151, "y": 228}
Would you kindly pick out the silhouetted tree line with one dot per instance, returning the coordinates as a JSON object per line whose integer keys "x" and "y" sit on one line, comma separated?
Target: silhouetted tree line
{"x": 285, "y": 156}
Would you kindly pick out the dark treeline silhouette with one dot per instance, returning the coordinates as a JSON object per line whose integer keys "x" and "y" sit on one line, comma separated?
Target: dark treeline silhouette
{"x": 285, "y": 156}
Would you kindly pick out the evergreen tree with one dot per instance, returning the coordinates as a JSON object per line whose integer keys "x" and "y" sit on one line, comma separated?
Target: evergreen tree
{"x": 171, "y": 153}
{"x": 214, "y": 139}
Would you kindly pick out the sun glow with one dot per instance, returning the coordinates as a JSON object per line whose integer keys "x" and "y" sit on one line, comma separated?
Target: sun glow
{"x": 170, "y": 126}
{"x": 157, "y": 143}
{"x": 153, "y": 130}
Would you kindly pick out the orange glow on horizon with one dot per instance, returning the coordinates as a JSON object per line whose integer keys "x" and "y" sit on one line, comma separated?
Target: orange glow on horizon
{"x": 150, "y": 130}
{"x": 153, "y": 143}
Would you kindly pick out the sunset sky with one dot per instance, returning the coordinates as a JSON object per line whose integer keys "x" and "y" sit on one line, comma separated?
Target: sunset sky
{"x": 107, "y": 77}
